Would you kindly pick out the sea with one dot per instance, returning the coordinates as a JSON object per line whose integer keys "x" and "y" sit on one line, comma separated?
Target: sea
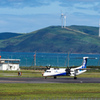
{"x": 28, "y": 59}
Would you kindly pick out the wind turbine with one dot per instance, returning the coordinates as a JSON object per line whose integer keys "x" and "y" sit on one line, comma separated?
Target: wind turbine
{"x": 99, "y": 28}
{"x": 62, "y": 18}
{"x": 64, "y": 21}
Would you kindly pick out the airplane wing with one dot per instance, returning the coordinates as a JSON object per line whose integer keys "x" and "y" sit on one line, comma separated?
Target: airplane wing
{"x": 83, "y": 69}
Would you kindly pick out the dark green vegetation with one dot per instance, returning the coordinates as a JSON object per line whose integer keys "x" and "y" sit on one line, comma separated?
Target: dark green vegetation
{"x": 76, "y": 39}
{"x": 7, "y": 35}
{"x": 48, "y": 91}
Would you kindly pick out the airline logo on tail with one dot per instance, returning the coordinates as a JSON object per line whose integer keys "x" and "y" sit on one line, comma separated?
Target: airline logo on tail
{"x": 84, "y": 63}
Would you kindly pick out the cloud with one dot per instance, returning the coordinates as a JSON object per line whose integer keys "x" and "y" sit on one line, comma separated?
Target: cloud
{"x": 23, "y": 3}
{"x": 85, "y": 6}
{"x": 38, "y": 3}
{"x": 97, "y": 8}
{"x": 73, "y": 1}
{"x": 27, "y": 23}
{"x": 71, "y": 4}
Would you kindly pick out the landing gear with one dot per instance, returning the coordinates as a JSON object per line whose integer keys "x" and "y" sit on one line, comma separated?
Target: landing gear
{"x": 75, "y": 71}
{"x": 45, "y": 77}
{"x": 75, "y": 77}
{"x": 55, "y": 77}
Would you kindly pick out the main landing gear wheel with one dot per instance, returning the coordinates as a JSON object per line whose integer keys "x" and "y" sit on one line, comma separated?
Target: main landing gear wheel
{"x": 45, "y": 77}
{"x": 75, "y": 77}
{"x": 55, "y": 77}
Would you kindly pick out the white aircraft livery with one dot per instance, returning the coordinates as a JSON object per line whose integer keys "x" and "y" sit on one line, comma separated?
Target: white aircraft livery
{"x": 66, "y": 71}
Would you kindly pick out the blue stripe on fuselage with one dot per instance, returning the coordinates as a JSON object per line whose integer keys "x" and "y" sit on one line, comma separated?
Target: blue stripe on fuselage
{"x": 61, "y": 74}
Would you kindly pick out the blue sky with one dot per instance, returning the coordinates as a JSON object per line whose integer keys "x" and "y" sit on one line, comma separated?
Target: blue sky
{"x": 23, "y": 16}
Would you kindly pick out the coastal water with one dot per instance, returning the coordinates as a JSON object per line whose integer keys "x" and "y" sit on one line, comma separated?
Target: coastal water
{"x": 53, "y": 59}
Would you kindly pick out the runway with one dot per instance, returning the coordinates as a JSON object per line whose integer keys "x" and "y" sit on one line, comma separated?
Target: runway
{"x": 49, "y": 80}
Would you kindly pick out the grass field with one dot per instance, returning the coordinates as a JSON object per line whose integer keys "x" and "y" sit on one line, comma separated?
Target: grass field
{"x": 43, "y": 91}
{"x": 38, "y": 73}
{"x": 25, "y": 73}
{"x": 61, "y": 91}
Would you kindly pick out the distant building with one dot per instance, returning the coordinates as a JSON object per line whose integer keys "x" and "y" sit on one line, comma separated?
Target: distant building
{"x": 9, "y": 64}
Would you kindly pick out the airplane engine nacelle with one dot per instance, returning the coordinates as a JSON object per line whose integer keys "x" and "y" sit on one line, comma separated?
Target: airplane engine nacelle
{"x": 67, "y": 72}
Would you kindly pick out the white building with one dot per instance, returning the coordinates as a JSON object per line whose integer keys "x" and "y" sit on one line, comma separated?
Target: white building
{"x": 9, "y": 64}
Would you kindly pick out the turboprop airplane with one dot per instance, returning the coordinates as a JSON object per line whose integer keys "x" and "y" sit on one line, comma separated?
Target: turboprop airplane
{"x": 66, "y": 71}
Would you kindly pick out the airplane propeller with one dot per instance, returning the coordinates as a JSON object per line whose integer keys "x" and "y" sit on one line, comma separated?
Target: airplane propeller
{"x": 68, "y": 71}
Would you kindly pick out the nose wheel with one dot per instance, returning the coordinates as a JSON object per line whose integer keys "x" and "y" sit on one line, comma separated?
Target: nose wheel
{"x": 55, "y": 77}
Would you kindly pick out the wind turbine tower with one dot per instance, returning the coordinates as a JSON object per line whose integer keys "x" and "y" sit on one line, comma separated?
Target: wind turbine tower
{"x": 99, "y": 29}
{"x": 64, "y": 21}
{"x": 62, "y": 18}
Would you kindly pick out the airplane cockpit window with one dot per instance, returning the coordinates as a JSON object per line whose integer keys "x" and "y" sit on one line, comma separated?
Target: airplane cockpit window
{"x": 56, "y": 68}
{"x": 48, "y": 71}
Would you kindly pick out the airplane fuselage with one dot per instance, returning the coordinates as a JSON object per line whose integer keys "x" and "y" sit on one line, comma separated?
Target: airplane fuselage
{"x": 62, "y": 72}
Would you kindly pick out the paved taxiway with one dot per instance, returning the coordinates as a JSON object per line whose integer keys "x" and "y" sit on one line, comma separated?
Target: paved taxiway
{"x": 49, "y": 80}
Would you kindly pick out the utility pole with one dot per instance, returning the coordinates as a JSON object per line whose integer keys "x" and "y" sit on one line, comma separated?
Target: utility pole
{"x": 35, "y": 59}
{"x": 68, "y": 60}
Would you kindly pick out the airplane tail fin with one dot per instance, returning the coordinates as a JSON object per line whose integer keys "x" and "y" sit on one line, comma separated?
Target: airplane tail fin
{"x": 82, "y": 68}
{"x": 84, "y": 62}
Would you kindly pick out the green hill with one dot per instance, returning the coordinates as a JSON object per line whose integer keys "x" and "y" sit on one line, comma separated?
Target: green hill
{"x": 86, "y": 29}
{"x": 7, "y": 35}
{"x": 76, "y": 39}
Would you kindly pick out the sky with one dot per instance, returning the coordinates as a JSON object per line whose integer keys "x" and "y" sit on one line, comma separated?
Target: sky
{"x": 24, "y": 16}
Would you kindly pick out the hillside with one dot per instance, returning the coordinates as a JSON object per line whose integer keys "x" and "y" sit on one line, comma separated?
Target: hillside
{"x": 86, "y": 29}
{"x": 6, "y": 35}
{"x": 76, "y": 39}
